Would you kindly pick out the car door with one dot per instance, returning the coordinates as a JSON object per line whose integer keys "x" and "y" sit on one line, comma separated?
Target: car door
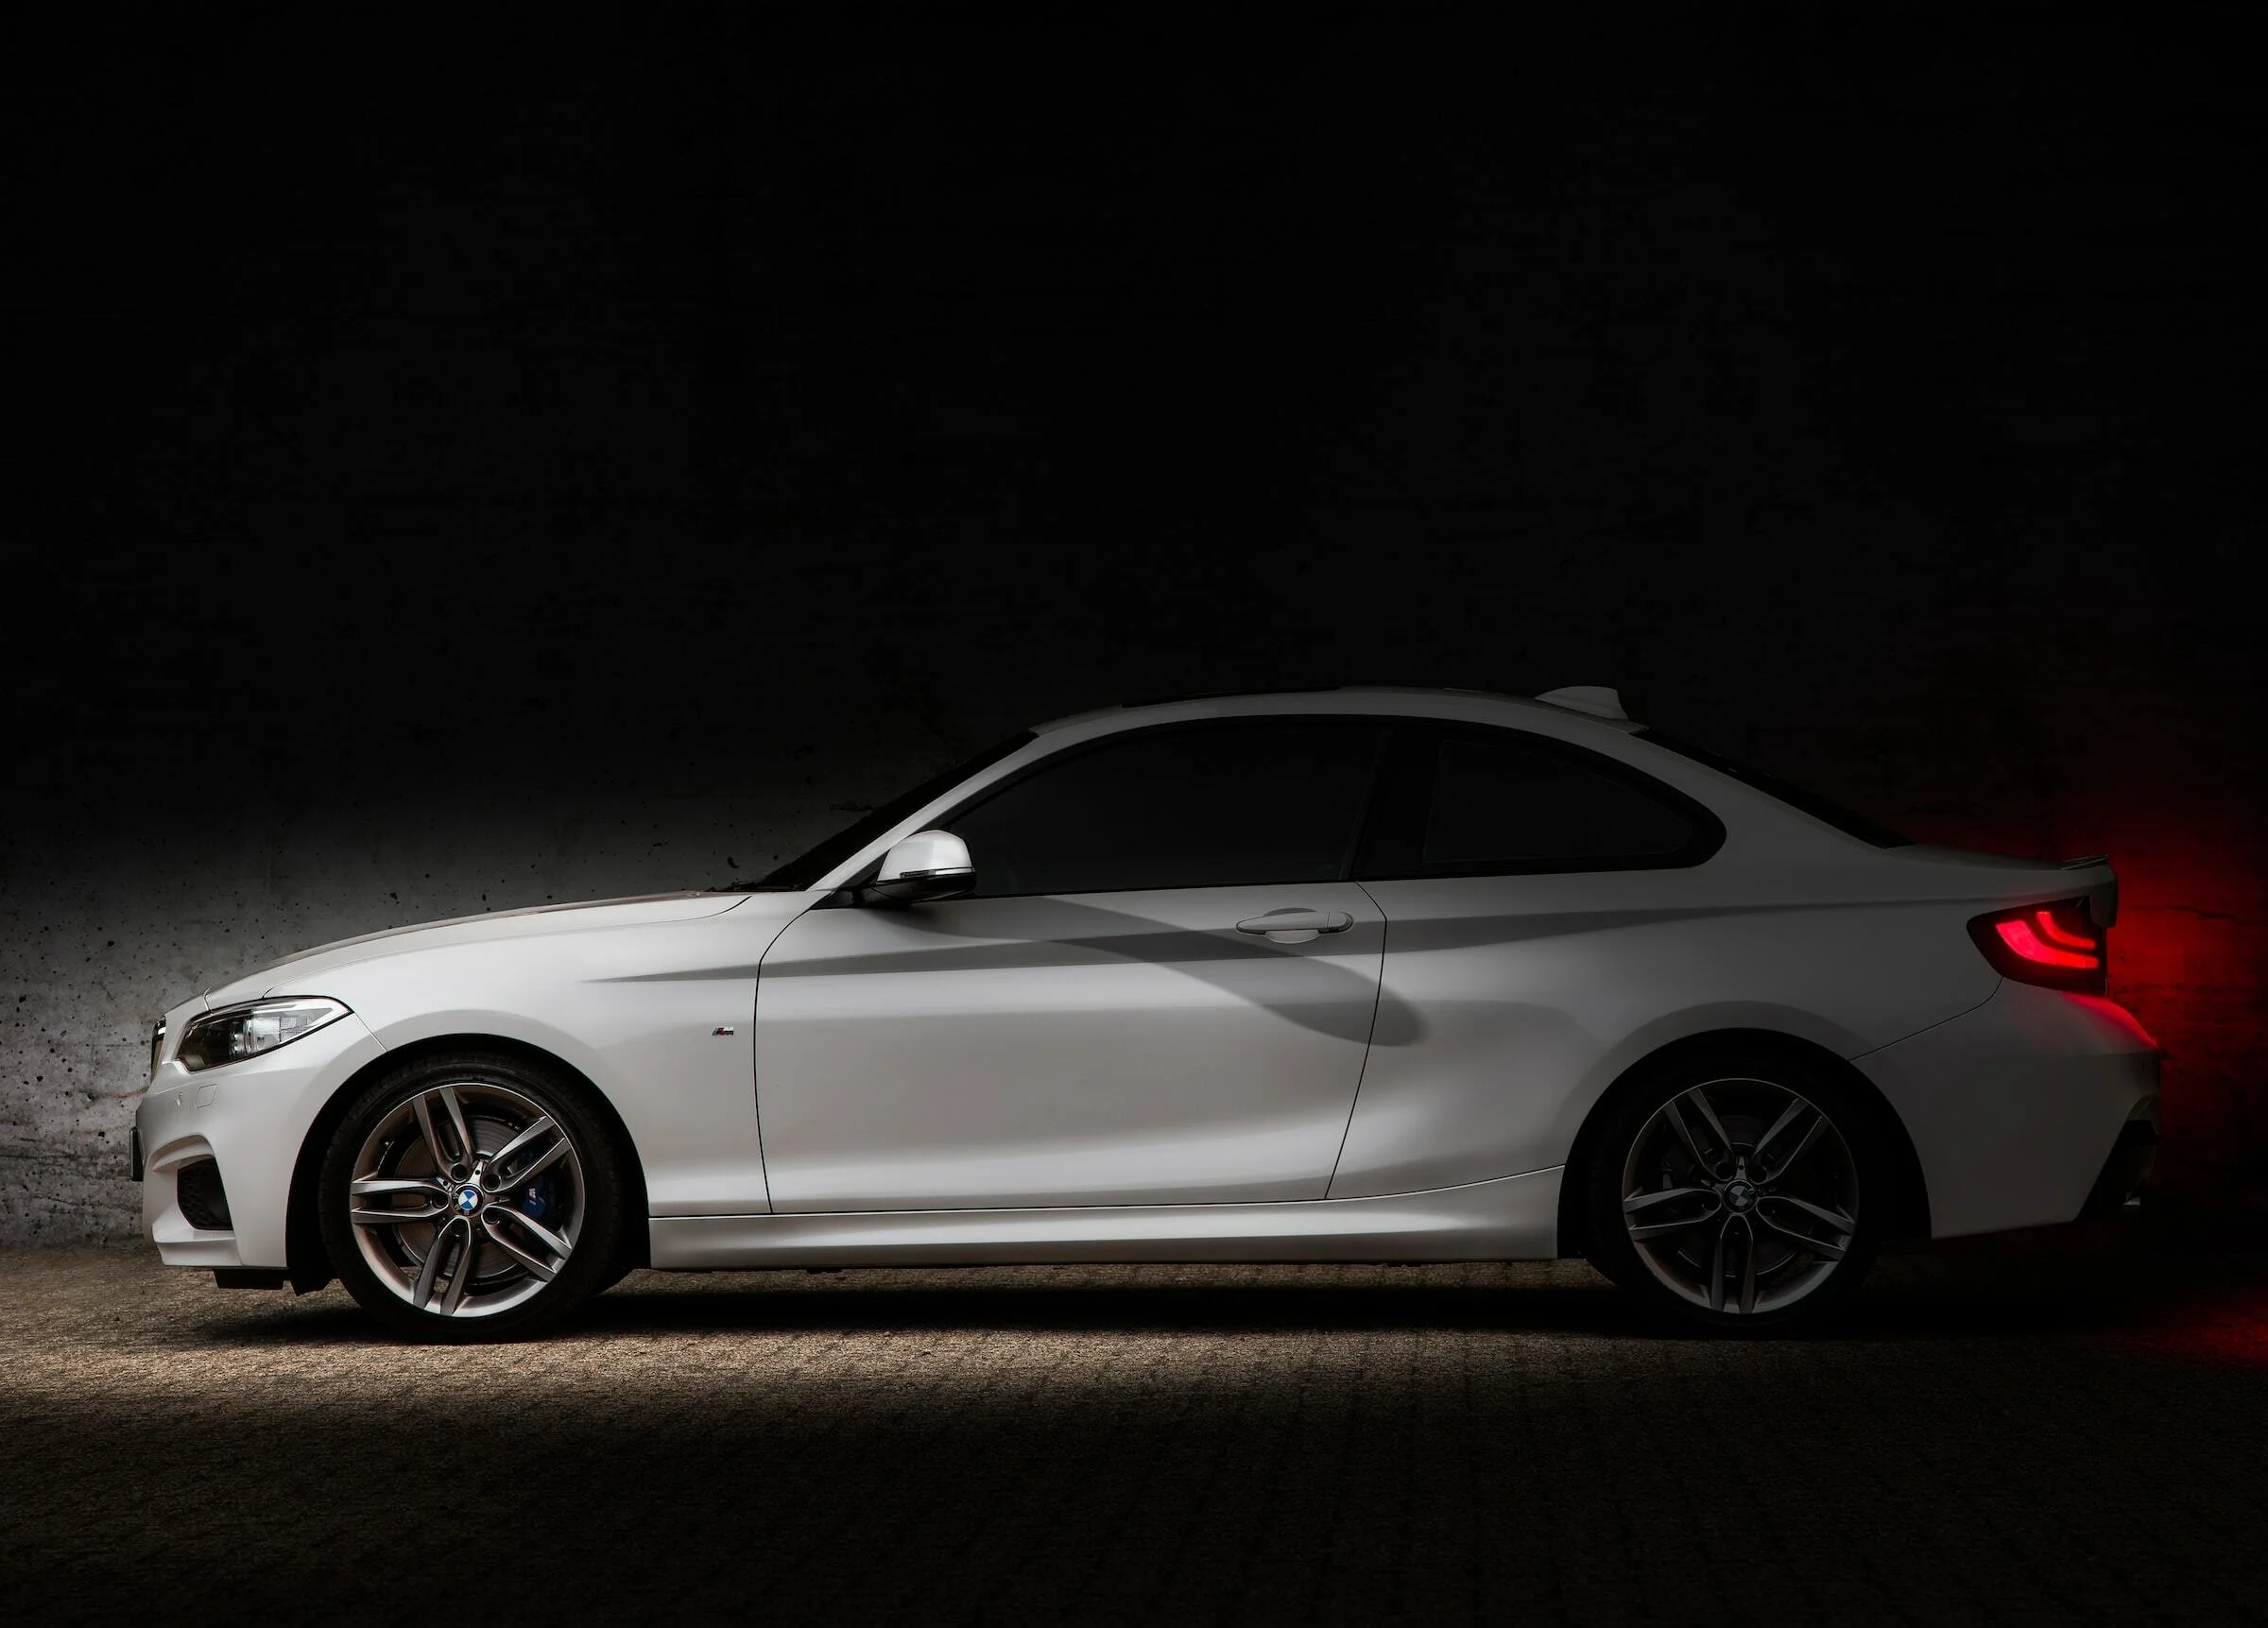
{"x": 1537, "y": 896}
{"x": 1109, "y": 1018}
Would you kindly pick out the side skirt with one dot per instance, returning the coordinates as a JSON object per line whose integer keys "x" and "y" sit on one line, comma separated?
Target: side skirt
{"x": 1514, "y": 1217}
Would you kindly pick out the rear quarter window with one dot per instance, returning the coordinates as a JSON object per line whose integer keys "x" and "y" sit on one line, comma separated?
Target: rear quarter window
{"x": 1827, "y": 811}
{"x": 1466, "y": 801}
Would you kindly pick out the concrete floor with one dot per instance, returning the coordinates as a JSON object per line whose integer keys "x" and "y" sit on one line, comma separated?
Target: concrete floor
{"x": 1986, "y": 1438}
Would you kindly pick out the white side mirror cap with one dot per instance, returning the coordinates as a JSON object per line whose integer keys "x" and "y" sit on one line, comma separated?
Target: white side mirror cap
{"x": 923, "y": 855}
{"x": 927, "y": 865}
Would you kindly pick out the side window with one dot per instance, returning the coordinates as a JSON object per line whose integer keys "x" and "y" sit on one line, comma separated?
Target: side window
{"x": 1474, "y": 802}
{"x": 1199, "y": 805}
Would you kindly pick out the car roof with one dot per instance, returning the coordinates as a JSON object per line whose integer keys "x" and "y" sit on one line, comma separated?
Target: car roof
{"x": 1391, "y": 699}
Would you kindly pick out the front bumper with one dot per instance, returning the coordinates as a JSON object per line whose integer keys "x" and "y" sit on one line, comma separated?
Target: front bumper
{"x": 2015, "y": 1107}
{"x": 250, "y": 1118}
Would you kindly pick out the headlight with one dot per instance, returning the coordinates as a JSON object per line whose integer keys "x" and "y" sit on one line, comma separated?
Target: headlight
{"x": 236, "y": 1033}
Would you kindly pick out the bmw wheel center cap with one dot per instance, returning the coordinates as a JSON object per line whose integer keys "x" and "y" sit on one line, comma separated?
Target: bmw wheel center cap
{"x": 468, "y": 1199}
{"x": 1740, "y": 1196}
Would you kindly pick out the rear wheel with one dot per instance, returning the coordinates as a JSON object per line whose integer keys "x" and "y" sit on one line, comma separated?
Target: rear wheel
{"x": 1738, "y": 1194}
{"x": 472, "y": 1197}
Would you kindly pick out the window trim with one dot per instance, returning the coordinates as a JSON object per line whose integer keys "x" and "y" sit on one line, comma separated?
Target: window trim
{"x": 1401, "y": 797}
{"x": 1387, "y": 726}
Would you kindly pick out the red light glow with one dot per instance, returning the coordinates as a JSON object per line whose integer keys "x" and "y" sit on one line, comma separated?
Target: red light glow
{"x": 2019, "y": 937}
{"x": 2112, "y": 1012}
{"x": 2228, "y": 1328}
{"x": 2054, "y": 935}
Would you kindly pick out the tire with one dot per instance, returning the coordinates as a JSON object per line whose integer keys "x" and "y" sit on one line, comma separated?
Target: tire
{"x": 1737, "y": 1194}
{"x": 497, "y": 1241}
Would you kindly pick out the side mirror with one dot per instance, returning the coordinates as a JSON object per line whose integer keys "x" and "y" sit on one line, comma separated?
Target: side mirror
{"x": 927, "y": 865}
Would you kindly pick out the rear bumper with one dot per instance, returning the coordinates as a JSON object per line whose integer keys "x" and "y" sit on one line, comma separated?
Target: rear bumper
{"x": 2019, "y": 1109}
{"x": 2118, "y": 1190}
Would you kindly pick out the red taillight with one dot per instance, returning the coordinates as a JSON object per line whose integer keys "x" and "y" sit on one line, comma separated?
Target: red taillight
{"x": 2056, "y": 945}
{"x": 2029, "y": 938}
{"x": 2044, "y": 921}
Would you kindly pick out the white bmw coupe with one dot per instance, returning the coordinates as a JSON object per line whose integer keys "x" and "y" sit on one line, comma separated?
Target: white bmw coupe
{"x": 1342, "y": 975}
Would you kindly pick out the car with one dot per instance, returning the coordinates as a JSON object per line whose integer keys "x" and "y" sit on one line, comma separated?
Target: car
{"x": 1338, "y": 975}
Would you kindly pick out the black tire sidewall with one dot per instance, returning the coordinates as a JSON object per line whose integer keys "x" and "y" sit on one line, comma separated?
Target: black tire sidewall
{"x": 590, "y": 1269}
{"x": 1617, "y": 1258}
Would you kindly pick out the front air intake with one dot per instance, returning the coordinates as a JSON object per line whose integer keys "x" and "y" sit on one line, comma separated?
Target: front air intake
{"x": 204, "y": 1203}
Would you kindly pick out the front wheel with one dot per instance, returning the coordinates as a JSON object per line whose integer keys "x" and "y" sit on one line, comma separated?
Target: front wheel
{"x": 470, "y": 1197}
{"x": 1737, "y": 1196}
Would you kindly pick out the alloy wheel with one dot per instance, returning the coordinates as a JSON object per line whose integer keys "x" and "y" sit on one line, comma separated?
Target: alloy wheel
{"x": 1741, "y": 1196}
{"x": 467, "y": 1198}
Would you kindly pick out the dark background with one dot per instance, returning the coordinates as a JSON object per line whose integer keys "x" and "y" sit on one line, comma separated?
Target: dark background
{"x": 466, "y": 460}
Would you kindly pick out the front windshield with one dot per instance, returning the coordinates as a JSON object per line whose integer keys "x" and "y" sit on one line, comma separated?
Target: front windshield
{"x": 805, "y": 869}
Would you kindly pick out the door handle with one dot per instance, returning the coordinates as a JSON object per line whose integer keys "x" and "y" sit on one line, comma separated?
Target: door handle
{"x": 1296, "y": 926}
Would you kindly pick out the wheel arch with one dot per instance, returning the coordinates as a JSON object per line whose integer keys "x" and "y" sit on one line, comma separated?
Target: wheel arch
{"x": 307, "y": 1260}
{"x": 1909, "y": 1198}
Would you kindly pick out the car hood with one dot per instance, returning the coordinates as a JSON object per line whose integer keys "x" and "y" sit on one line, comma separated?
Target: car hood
{"x": 290, "y": 975}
